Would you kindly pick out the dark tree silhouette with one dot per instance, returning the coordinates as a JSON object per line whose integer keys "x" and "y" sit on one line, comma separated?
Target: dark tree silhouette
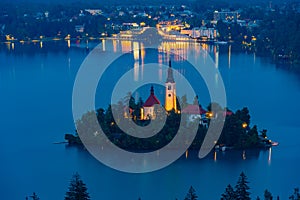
{"x": 296, "y": 195}
{"x": 77, "y": 189}
{"x": 242, "y": 188}
{"x": 191, "y": 195}
{"x": 268, "y": 195}
{"x": 34, "y": 196}
{"x": 229, "y": 193}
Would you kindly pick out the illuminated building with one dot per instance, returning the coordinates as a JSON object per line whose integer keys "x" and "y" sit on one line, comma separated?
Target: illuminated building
{"x": 170, "y": 96}
{"x": 147, "y": 112}
{"x": 227, "y": 16}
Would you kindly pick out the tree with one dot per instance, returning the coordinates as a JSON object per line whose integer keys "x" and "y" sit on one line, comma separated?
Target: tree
{"x": 33, "y": 196}
{"x": 229, "y": 193}
{"x": 77, "y": 189}
{"x": 268, "y": 195}
{"x": 242, "y": 188}
{"x": 296, "y": 195}
{"x": 264, "y": 133}
{"x": 191, "y": 195}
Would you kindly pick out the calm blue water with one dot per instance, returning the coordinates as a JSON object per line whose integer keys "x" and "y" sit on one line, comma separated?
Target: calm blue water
{"x": 36, "y": 111}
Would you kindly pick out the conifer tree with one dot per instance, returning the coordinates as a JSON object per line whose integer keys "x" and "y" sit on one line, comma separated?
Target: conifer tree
{"x": 296, "y": 195}
{"x": 268, "y": 195}
{"x": 191, "y": 195}
{"x": 229, "y": 193}
{"x": 241, "y": 188}
{"x": 77, "y": 189}
{"x": 34, "y": 196}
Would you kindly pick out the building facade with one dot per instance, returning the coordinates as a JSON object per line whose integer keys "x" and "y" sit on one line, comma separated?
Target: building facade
{"x": 170, "y": 95}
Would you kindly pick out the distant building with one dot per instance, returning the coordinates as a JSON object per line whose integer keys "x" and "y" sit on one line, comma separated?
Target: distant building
{"x": 202, "y": 32}
{"x": 94, "y": 12}
{"x": 195, "y": 112}
{"x": 129, "y": 25}
{"x": 79, "y": 28}
{"x": 226, "y": 16}
{"x": 167, "y": 26}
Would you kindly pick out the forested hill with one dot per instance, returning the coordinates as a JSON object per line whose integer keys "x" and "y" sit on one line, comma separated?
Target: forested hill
{"x": 151, "y": 2}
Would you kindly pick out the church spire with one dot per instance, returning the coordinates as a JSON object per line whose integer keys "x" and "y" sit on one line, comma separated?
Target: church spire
{"x": 152, "y": 90}
{"x": 170, "y": 78}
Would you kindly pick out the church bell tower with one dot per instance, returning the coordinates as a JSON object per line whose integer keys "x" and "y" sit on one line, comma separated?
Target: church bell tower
{"x": 170, "y": 99}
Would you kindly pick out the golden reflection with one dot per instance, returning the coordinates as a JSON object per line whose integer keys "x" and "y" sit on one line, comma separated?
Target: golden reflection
{"x": 69, "y": 43}
{"x": 143, "y": 53}
{"x": 204, "y": 46}
{"x": 115, "y": 46}
{"x": 179, "y": 48}
{"x": 215, "y": 156}
{"x": 41, "y": 44}
{"x": 270, "y": 156}
{"x": 186, "y": 154}
{"x": 136, "y": 51}
{"x": 8, "y": 45}
{"x": 126, "y": 46}
{"x": 103, "y": 45}
{"x": 254, "y": 57}
{"x": 12, "y": 46}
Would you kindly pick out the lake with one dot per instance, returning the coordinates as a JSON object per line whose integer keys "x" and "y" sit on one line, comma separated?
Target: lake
{"x": 36, "y": 83}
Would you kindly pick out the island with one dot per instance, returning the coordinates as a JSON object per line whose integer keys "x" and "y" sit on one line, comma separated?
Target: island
{"x": 236, "y": 134}
{"x": 176, "y": 112}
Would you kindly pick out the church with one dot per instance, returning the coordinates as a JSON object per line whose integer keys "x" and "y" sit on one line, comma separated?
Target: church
{"x": 148, "y": 110}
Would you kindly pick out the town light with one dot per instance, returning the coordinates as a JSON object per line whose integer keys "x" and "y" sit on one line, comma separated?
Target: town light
{"x": 209, "y": 114}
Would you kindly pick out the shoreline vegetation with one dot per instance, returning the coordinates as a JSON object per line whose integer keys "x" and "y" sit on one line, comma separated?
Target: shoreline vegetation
{"x": 78, "y": 190}
{"x": 269, "y": 30}
{"x": 237, "y": 132}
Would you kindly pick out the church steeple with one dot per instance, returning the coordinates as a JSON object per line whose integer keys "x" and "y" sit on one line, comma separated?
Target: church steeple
{"x": 170, "y": 78}
{"x": 170, "y": 98}
{"x": 152, "y": 90}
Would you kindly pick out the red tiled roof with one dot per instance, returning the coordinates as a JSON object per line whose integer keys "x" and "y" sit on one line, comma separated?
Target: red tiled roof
{"x": 194, "y": 110}
{"x": 151, "y": 101}
{"x": 191, "y": 109}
